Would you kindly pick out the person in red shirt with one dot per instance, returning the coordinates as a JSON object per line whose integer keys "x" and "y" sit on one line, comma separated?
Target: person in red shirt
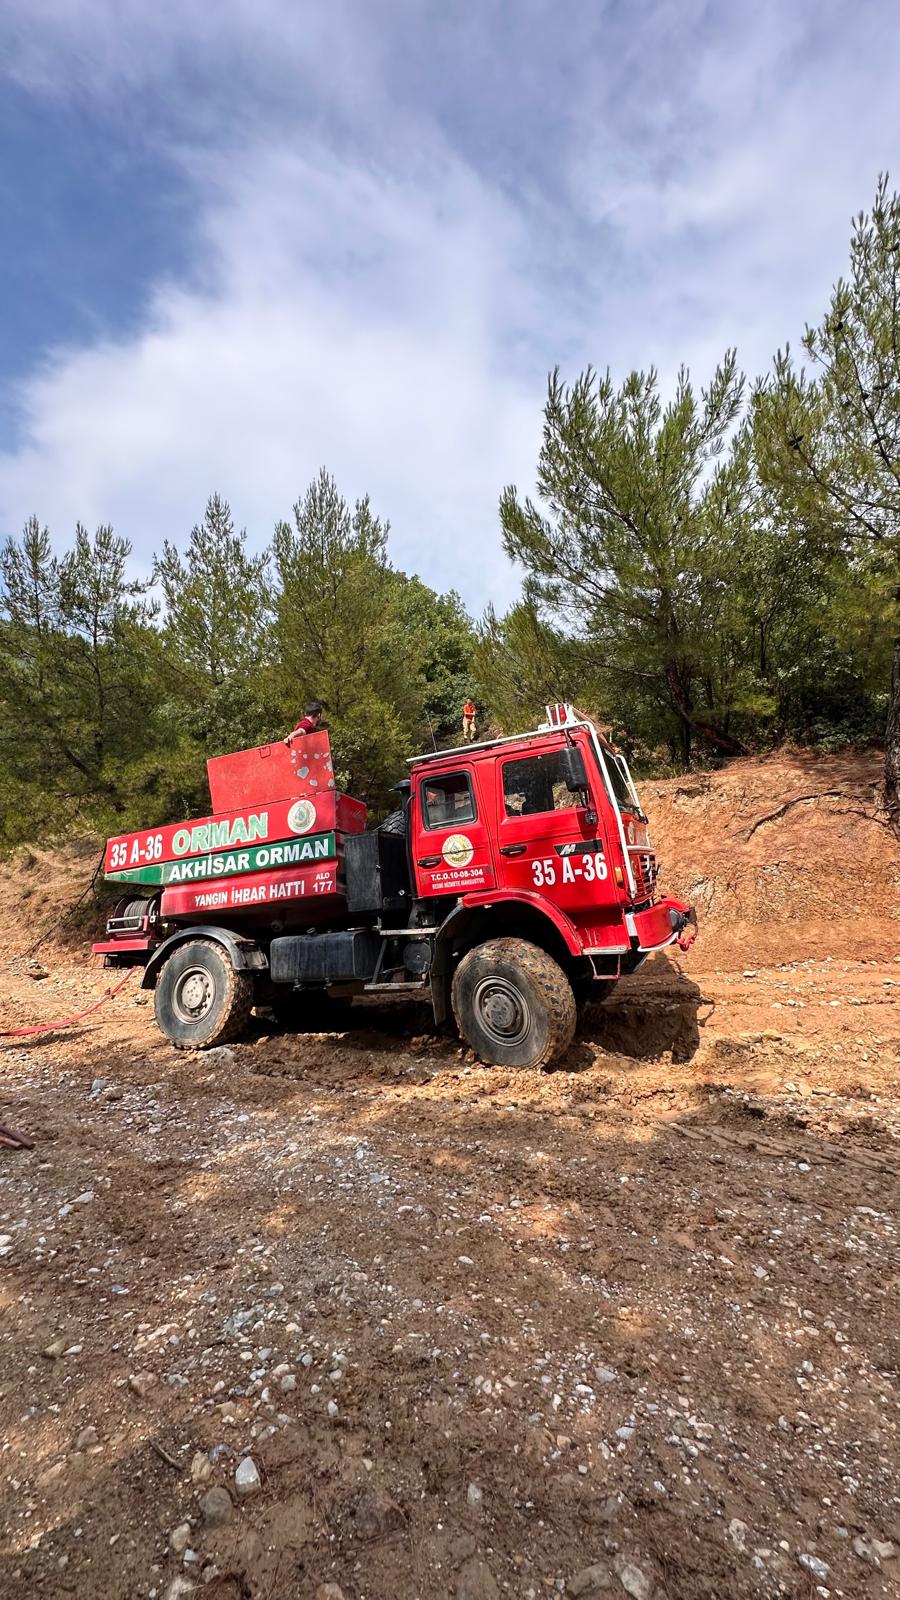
{"x": 309, "y": 722}
{"x": 469, "y": 714}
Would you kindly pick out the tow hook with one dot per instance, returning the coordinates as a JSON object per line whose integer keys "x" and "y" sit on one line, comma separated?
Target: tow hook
{"x": 687, "y": 932}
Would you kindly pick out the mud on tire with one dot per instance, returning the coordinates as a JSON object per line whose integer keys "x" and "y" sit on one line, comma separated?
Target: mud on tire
{"x": 513, "y": 1004}
{"x": 200, "y": 1000}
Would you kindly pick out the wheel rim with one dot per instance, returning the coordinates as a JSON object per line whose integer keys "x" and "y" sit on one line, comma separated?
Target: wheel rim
{"x": 501, "y": 1011}
{"x": 194, "y": 995}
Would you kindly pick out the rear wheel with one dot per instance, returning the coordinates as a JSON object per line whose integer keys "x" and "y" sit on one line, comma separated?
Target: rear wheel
{"x": 513, "y": 1004}
{"x": 200, "y": 1000}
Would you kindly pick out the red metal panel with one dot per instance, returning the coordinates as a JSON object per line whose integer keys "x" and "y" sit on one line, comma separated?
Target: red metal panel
{"x": 350, "y": 815}
{"x": 557, "y": 851}
{"x": 455, "y": 854}
{"x": 536, "y": 902}
{"x": 600, "y": 936}
{"x": 271, "y": 772}
{"x": 114, "y": 946}
{"x": 250, "y": 892}
{"x": 654, "y": 926}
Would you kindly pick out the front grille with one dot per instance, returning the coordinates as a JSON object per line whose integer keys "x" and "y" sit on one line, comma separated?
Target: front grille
{"x": 643, "y": 867}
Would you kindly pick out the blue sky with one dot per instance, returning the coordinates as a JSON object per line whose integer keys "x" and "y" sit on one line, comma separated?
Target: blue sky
{"x": 245, "y": 239}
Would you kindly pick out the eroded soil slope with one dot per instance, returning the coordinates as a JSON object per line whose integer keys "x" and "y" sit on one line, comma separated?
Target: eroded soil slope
{"x": 783, "y": 857}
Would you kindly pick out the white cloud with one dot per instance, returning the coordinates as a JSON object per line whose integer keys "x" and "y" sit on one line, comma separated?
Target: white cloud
{"x": 347, "y": 317}
{"x": 742, "y": 145}
{"x": 403, "y": 220}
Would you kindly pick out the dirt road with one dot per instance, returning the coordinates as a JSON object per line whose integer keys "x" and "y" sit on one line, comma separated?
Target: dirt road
{"x": 629, "y": 1327}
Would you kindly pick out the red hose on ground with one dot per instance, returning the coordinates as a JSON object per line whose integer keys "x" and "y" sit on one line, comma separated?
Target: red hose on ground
{"x": 51, "y": 1027}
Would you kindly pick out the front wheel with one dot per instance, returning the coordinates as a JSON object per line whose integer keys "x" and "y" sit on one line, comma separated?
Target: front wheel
{"x": 513, "y": 1004}
{"x": 200, "y": 1000}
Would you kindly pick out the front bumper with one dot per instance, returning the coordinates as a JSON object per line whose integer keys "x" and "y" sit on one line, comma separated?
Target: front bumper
{"x": 666, "y": 922}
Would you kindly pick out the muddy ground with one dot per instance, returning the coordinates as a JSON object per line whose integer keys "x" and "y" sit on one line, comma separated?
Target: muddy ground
{"x": 628, "y": 1327}
{"x": 478, "y": 1330}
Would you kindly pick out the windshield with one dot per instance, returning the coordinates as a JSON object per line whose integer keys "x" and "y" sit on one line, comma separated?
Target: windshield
{"x": 620, "y": 785}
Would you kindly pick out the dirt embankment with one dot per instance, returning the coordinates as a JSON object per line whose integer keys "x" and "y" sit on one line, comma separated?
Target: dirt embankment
{"x": 627, "y": 1328}
{"x": 52, "y": 900}
{"x": 784, "y": 857}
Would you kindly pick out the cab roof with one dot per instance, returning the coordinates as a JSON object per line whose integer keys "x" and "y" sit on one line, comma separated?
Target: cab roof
{"x": 481, "y": 745}
{"x": 561, "y": 718}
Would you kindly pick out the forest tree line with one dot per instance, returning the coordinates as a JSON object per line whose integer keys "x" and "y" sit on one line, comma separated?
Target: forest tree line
{"x": 711, "y": 573}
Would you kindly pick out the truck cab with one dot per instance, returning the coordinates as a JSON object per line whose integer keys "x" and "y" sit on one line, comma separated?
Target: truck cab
{"x": 549, "y": 821}
{"x": 517, "y": 881}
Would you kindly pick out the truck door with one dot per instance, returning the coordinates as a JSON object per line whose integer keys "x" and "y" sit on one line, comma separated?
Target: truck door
{"x": 451, "y": 834}
{"x": 547, "y": 844}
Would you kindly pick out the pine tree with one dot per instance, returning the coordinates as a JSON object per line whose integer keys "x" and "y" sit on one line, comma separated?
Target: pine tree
{"x": 828, "y": 443}
{"x": 217, "y": 598}
{"x": 647, "y": 506}
{"x": 523, "y": 663}
{"x": 75, "y": 698}
{"x": 382, "y": 650}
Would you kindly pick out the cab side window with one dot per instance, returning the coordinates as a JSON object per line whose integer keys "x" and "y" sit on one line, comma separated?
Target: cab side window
{"x": 448, "y": 800}
{"x": 536, "y": 784}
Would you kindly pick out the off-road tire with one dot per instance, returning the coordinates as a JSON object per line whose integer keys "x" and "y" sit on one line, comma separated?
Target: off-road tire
{"x": 224, "y": 997}
{"x": 513, "y": 1004}
{"x": 395, "y": 823}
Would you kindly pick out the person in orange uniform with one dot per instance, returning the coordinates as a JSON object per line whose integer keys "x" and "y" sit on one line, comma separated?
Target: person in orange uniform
{"x": 469, "y": 715}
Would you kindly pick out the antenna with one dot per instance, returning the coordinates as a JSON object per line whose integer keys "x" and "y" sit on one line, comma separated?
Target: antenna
{"x": 430, "y": 729}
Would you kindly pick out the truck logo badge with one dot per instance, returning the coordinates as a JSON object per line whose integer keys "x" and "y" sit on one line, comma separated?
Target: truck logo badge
{"x": 458, "y": 850}
{"x": 302, "y": 816}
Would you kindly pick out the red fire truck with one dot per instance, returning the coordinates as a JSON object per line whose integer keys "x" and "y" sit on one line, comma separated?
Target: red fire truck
{"x": 515, "y": 881}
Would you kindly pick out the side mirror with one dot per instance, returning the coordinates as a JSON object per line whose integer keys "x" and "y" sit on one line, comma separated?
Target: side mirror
{"x": 574, "y": 771}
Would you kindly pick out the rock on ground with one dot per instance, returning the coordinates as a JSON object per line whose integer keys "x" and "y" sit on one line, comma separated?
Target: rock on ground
{"x": 246, "y": 1479}
{"x": 476, "y": 1582}
{"x": 590, "y": 1580}
{"x": 216, "y": 1508}
{"x": 374, "y": 1515}
{"x": 636, "y": 1583}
